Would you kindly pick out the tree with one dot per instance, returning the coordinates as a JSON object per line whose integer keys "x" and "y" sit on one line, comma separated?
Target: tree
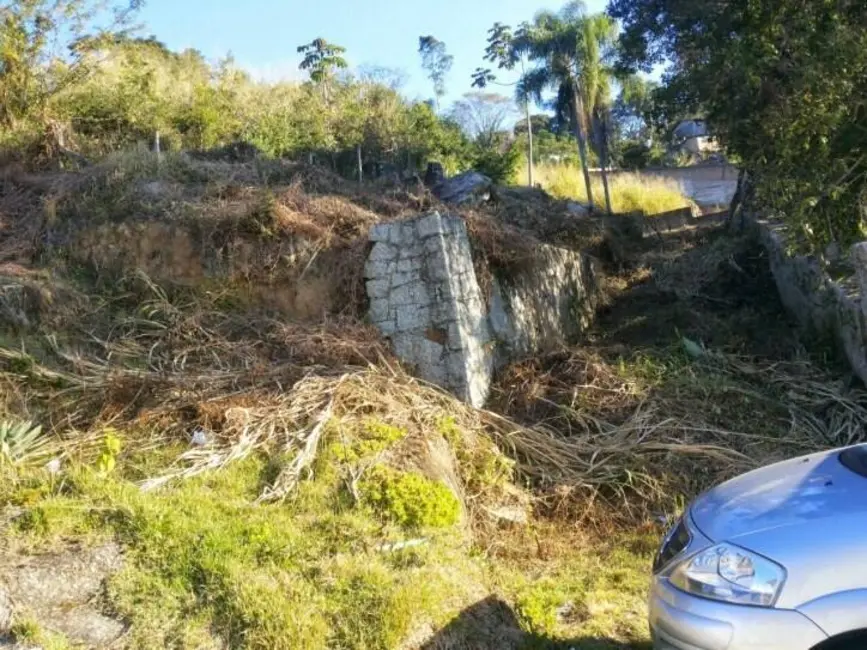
{"x": 781, "y": 85}
{"x": 393, "y": 78}
{"x": 634, "y": 107}
{"x": 566, "y": 48}
{"x": 437, "y": 62}
{"x": 538, "y": 122}
{"x": 482, "y": 115}
{"x": 504, "y": 50}
{"x": 322, "y": 59}
{"x": 44, "y": 48}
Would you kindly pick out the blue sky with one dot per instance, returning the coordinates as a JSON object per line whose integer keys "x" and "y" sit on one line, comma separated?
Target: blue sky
{"x": 263, "y": 34}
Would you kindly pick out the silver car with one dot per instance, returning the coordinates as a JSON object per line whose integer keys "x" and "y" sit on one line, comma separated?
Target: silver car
{"x": 773, "y": 560}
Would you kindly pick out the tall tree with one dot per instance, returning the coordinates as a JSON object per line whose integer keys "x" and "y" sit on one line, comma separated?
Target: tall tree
{"x": 504, "y": 50}
{"x": 595, "y": 51}
{"x": 781, "y": 85}
{"x": 322, "y": 59}
{"x": 482, "y": 116}
{"x": 437, "y": 62}
{"x": 566, "y": 49}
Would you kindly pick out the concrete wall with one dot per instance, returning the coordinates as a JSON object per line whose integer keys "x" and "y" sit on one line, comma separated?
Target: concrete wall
{"x": 707, "y": 185}
{"x": 833, "y": 309}
{"x": 425, "y": 297}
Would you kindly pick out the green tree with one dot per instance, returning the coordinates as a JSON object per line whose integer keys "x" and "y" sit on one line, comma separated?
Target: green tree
{"x": 782, "y": 86}
{"x": 322, "y": 60}
{"x": 504, "y": 50}
{"x": 44, "y": 46}
{"x": 483, "y": 115}
{"x": 566, "y": 48}
{"x": 437, "y": 62}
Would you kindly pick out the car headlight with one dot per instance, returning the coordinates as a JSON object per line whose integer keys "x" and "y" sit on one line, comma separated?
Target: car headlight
{"x": 730, "y": 574}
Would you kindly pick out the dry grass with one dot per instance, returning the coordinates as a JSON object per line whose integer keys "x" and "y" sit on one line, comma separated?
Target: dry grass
{"x": 155, "y": 357}
{"x": 629, "y": 192}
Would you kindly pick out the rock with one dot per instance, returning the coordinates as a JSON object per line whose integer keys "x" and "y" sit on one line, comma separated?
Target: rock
{"x": 467, "y": 188}
{"x": 60, "y": 591}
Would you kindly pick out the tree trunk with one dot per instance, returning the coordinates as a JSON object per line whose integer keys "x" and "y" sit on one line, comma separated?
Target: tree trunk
{"x": 360, "y": 164}
{"x": 735, "y": 216}
{"x": 603, "y": 147}
{"x": 577, "y": 112}
{"x": 529, "y": 145}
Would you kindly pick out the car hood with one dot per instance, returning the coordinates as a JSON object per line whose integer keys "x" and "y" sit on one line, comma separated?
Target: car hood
{"x": 797, "y": 493}
{"x": 809, "y": 515}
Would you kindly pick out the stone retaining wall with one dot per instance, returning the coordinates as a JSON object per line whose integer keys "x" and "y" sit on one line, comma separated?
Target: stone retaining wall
{"x": 425, "y": 297}
{"x": 549, "y": 301}
{"x": 829, "y": 308}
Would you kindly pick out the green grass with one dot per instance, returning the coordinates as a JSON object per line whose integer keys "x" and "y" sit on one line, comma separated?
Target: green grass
{"x": 203, "y": 556}
{"x": 585, "y": 594}
{"x": 28, "y": 633}
{"x": 205, "y": 564}
{"x": 629, "y": 192}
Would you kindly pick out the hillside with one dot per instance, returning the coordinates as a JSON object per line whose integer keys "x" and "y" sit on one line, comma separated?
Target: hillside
{"x": 229, "y": 455}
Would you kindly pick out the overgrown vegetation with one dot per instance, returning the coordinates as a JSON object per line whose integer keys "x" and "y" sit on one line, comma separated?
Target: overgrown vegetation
{"x": 278, "y": 481}
{"x": 186, "y": 374}
{"x": 629, "y": 192}
{"x": 781, "y": 85}
{"x": 118, "y": 91}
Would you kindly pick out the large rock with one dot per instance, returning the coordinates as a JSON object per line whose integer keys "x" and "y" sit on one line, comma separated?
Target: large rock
{"x": 61, "y": 592}
{"x": 465, "y": 189}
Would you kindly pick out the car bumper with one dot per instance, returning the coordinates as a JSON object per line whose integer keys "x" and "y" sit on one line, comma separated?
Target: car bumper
{"x": 679, "y": 621}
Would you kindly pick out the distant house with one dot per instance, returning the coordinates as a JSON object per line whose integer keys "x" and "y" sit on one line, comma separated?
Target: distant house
{"x": 694, "y": 137}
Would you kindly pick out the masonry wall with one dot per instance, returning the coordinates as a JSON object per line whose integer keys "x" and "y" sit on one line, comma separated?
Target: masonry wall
{"x": 425, "y": 297}
{"x": 546, "y": 303}
{"x": 829, "y": 308}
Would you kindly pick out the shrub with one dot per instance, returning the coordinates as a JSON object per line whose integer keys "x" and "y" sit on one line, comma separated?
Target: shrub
{"x": 410, "y": 499}
{"x": 635, "y": 156}
{"x": 499, "y": 166}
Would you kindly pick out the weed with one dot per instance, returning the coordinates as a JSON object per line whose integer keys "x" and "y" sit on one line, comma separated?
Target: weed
{"x": 111, "y": 445}
{"x": 28, "y": 632}
{"x": 20, "y": 441}
{"x": 373, "y": 439}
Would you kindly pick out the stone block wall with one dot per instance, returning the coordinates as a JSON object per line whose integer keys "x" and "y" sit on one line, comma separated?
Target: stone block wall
{"x": 547, "y": 302}
{"x": 425, "y": 297}
{"x": 831, "y": 308}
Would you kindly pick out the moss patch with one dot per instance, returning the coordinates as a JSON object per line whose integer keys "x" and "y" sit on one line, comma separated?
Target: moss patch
{"x": 410, "y": 499}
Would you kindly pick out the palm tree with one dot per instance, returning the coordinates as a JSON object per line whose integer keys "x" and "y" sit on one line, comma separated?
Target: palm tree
{"x": 567, "y": 48}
